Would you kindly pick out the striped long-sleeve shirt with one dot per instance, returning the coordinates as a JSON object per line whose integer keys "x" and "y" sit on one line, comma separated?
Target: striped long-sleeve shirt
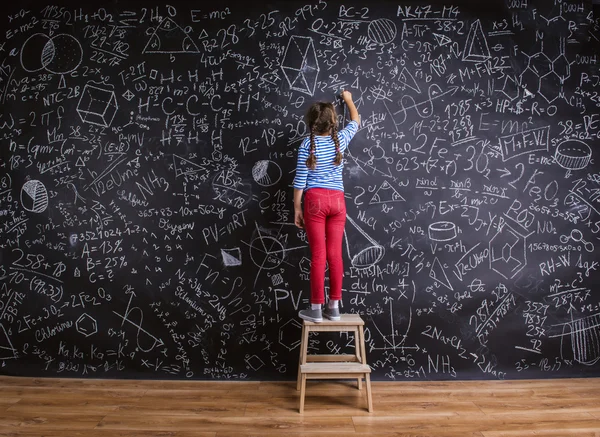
{"x": 327, "y": 174}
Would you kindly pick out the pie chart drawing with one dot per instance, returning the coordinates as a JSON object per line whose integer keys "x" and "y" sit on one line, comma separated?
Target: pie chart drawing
{"x": 34, "y": 196}
{"x": 266, "y": 173}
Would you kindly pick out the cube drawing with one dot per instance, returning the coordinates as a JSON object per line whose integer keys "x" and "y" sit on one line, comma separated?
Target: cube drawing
{"x": 97, "y": 106}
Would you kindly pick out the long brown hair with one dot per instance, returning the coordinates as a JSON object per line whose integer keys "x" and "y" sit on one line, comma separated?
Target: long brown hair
{"x": 321, "y": 118}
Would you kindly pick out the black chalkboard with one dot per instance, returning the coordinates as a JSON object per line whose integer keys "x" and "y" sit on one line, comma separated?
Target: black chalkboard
{"x": 148, "y": 152}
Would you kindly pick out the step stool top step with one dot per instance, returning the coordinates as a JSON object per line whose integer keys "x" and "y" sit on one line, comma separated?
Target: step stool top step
{"x": 345, "y": 320}
{"x": 335, "y": 368}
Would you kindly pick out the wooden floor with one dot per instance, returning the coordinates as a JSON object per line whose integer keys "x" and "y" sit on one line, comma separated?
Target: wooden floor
{"x": 134, "y": 408}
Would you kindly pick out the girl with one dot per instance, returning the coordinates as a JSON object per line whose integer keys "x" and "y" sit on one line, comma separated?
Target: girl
{"x": 319, "y": 177}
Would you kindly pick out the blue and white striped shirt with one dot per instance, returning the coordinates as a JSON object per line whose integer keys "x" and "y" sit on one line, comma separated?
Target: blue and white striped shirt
{"x": 327, "y": 174}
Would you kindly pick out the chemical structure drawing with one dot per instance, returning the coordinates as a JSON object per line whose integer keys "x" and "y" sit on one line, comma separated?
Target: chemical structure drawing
{"x": 545, "y": 76}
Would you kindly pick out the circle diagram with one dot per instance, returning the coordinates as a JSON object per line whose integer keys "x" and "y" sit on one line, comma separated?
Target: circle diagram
{"x": 266, "y": 252}
{"x": 59, "y": 54}
{"x": 573, "y": 154}
{"x": 266, "y": 173}
{"x": 368, "y": 257}
{"x": 34, "y": 196}
{"x": 379, "y": 93}
{"x": 382, "y": 31}
{"x": 442, "y": 231}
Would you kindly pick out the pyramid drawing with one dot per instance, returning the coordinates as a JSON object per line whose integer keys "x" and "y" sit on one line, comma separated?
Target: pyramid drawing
{"x": 408, "y": 79}
{"x": 185, "y": 167}
{"x": 438, "y": 274}
{"x": 169, "y": 37}
{"x": 476, "y": 48}
{"x": 232, "y": 257}
{"x": 300, "y": 65}
{"x": 386, "y": 194}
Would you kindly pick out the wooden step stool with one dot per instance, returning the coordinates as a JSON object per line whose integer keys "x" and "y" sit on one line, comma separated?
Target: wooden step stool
{"x": 335, "y": 366}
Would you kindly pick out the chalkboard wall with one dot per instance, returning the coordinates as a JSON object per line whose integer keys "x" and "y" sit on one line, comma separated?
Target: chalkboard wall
{"x": 147, "y": 157}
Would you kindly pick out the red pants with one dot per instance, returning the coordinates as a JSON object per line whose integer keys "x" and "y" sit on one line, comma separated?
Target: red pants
{"x": 324, "y": 221}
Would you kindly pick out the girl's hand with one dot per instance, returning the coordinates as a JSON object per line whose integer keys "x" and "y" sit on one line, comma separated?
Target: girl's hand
{"x": 299, "y": 219}
{"x": 347, "y": 96}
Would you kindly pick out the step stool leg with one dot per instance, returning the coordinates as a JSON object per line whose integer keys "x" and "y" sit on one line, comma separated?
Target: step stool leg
{"x": 303, "y": 352}
{"x": 363, "y": 352}
{"x": 358, "y": 353}
{"x": 302, "y": 392}
{"x": 300, "y": 357}
{"x": 369, "y": 398}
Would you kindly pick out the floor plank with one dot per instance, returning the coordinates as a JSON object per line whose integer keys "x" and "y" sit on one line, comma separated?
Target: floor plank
{"x": 440, "y": 433}
{"x": 50, "y": 407}
{"x": 57, "y": 407}
{"x": 66, "y": 432}
{"x": 50, "y": 421}
{"x": 126, "y": 384}
{"x": 585, "y": 392}
{"x": 185, "y": 407}
{"x": 210, "y": 395}
{"x": 515, "y": 422}
{"x": 291, "y": 424}
{"x": 104, "y": 397}
{"x": 7, "y": 402}
{"x": 353, "y": 406}
{"x": 545, "y": 406}
{"x": 545, "y": 433}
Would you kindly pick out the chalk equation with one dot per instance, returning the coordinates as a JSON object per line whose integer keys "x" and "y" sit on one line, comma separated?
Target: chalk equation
{"x": 146, "y": 202}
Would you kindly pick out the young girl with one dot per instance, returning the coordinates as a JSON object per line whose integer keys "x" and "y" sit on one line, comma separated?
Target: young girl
{"x": 319, "y": 177}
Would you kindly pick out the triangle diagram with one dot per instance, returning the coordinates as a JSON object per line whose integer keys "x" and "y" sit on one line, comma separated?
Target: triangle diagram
{"x": 386, "y": 194}
{"x": 476, "y": 48}
{"x": 184, "y": 166}
{"x": 442, "y": 40}
{"x": 438, "y": 274}
{"x": 169, "y": 37}
{"x": 7, "y": 351}
{"x": 189, "y": 46}
{"x": 153, "y": 44}
{"x": 231, "y": 257}
{"x": 408, "y": 79}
